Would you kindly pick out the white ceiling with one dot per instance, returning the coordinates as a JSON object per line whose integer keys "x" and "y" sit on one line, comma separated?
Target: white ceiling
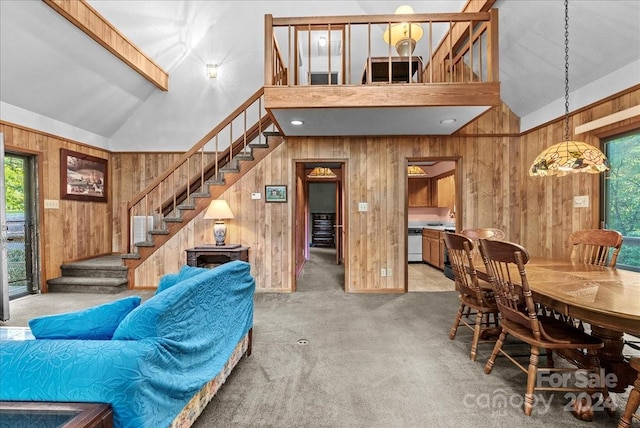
{"x": 54, "y": 77}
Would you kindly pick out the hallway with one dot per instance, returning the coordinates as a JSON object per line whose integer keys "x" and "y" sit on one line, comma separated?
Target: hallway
{"x": 320, "y": 272}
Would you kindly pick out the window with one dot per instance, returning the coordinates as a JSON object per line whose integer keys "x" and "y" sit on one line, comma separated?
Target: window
{"x": 621, "y": 207}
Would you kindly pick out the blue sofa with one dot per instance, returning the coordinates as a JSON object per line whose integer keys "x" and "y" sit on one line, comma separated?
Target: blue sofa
{"x": 158, "y": 358}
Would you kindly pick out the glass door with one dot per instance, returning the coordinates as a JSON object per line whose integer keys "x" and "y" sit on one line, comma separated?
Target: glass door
{"x": 20, "y": 232}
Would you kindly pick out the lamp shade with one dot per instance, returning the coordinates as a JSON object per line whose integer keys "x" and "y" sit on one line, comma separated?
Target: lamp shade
{"x": 415, "y": 171}
{"x": 569, "y": 157}
{"x": 398, "y": 34}
{"x": 322, "y": 172}
{"x": 218, "y": 210}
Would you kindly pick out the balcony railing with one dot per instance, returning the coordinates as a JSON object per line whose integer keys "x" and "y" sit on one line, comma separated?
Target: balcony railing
{"x": 351, "y": 50}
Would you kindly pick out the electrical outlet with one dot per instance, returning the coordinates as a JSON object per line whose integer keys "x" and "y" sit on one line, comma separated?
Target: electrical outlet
{"x": 256, "y": 196}
{"x": 581, "y": 201}
{"x": 388, "y": 271}
{"x": 383, "y": 272}
{"x": 363, "y": 206}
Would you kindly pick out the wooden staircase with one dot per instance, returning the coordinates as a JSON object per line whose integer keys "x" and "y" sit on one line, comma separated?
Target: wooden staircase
{"x": 176, "y": 197}
{"x": 101, "y": 275}
{"x": 203, "y": 173}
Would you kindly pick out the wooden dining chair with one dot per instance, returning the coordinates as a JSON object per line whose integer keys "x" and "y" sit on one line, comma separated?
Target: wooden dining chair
{"x": 631, "y": 410}
{"x": 505, "y": 265}
{"x": 471, "y": 296}
{"x": 596, "y": 246}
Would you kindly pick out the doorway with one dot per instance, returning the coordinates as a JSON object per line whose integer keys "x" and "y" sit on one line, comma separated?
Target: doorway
{"x": 320, "y": 217}
{"x": 20, "y": 249}
{"x": 434, "y": 204}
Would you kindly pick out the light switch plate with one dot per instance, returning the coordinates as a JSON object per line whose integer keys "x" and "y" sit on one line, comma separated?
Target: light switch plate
{"x": 256, "y": 196}
{"x": 581, "y": 201}
{"x": 52, "y": 204}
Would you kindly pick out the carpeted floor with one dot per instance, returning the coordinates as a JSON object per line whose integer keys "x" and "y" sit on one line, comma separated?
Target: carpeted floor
{"x": 325, "y": 358}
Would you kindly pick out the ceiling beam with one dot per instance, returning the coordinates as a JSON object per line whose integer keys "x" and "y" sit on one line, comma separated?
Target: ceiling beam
{"x": 87, "y": 19}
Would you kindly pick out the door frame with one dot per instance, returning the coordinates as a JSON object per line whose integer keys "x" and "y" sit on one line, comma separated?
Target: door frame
{"x": 301, "y": 217}
{"x": 33, "y": 210}
{"x": 4, "y": 267}
{"x": 458, "y": 198}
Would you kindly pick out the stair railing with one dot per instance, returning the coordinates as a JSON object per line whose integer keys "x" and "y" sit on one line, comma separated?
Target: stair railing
{"x": 192, "y": 173}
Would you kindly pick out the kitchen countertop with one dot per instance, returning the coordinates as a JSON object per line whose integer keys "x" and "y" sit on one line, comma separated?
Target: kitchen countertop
{"x": 439, "y": 227}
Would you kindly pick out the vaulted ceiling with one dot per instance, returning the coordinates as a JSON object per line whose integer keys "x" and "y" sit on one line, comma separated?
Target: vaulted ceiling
{"x": 55, "y": 77}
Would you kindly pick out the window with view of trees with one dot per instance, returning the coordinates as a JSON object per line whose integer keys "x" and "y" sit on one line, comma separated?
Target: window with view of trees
{"x": 622, "y": 196}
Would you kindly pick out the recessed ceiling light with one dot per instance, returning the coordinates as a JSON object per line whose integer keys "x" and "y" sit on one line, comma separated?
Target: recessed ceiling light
{"x": 447, "y": 121}
{"x": 297, "y": 122}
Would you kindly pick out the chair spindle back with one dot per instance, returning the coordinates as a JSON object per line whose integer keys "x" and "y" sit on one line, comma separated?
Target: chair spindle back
{"x": 596, "y": 246}
{"x": 505, "y": 266}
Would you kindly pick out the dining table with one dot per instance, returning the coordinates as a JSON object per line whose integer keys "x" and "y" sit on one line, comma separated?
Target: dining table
{"x": 606, "y": 298}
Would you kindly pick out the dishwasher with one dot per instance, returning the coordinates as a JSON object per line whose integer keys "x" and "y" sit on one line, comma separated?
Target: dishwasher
{"x": 414, "y": 244}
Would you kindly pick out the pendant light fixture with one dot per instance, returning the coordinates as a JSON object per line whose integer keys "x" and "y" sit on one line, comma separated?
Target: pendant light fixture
{"x": 322, "y": 172}
{"x": 415, "y": 171}
{"x": 568, "y": 156}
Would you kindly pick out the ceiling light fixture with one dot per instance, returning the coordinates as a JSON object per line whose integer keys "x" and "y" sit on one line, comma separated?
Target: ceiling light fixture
{"x": 212, "y": 71}
{"x": 568, "y": 156}
{"x": 297, "y": 122}
{"x": 322, "y": 172}
{"x": 403, "y": 35}
{"x": 415, "y": 171}
{"x": 447, "y": 121}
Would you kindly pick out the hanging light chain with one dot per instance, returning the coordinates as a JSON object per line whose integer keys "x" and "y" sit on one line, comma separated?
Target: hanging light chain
{"x": 566, "y": 70}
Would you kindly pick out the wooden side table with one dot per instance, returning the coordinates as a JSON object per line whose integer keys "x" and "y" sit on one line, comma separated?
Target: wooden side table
{"x": 207, "y": 255}
{"x": 399, "y": 70}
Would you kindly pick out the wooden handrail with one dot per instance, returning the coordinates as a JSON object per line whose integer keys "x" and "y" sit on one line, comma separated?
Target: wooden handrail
{"x": 455, "y": 57}
{"x": 380, "y": 19}
{"x": 209, "y": 170}
{"x": 189, "y": 177}
{"x": 199, "y": 145}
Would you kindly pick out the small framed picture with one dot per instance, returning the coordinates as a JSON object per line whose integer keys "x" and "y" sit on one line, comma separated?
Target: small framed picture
{"x": 275, "y": 193}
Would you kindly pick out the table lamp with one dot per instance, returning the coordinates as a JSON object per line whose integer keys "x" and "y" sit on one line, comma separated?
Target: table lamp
{"x": 219, "y": 211}
{"x": 403, "y": 35}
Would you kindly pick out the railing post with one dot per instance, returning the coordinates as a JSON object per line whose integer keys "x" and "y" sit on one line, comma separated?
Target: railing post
{"x": 125, "y": 230}
{"x": 268, "y": 50}
{"x": 493, "y": 65}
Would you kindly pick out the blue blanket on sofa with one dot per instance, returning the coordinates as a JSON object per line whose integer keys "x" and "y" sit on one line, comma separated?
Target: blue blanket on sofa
{"x": 161, "y": 354}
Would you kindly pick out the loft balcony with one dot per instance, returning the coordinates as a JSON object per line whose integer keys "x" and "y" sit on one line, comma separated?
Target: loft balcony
{"x": 341, "y": 76}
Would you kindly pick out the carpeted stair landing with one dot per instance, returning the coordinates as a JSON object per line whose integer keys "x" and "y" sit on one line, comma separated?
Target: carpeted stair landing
{"x": 103, "y": 275}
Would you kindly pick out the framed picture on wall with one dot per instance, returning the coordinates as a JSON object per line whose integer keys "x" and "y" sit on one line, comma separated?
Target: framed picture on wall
{"x": 82, "y": 177}
{"x": 275, "y": 193}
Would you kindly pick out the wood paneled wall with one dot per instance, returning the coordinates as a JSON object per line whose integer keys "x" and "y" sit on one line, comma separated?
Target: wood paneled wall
{"x": 132, "y": 172}
{"x": 496, "y": 191}
{"x": 76, "y": 230}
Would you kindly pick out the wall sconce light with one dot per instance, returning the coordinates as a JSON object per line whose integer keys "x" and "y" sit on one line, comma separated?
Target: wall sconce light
{"x": 219, "y": 211}
{"x": 212, "y": 71}
{"x": 403, "y": 35}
